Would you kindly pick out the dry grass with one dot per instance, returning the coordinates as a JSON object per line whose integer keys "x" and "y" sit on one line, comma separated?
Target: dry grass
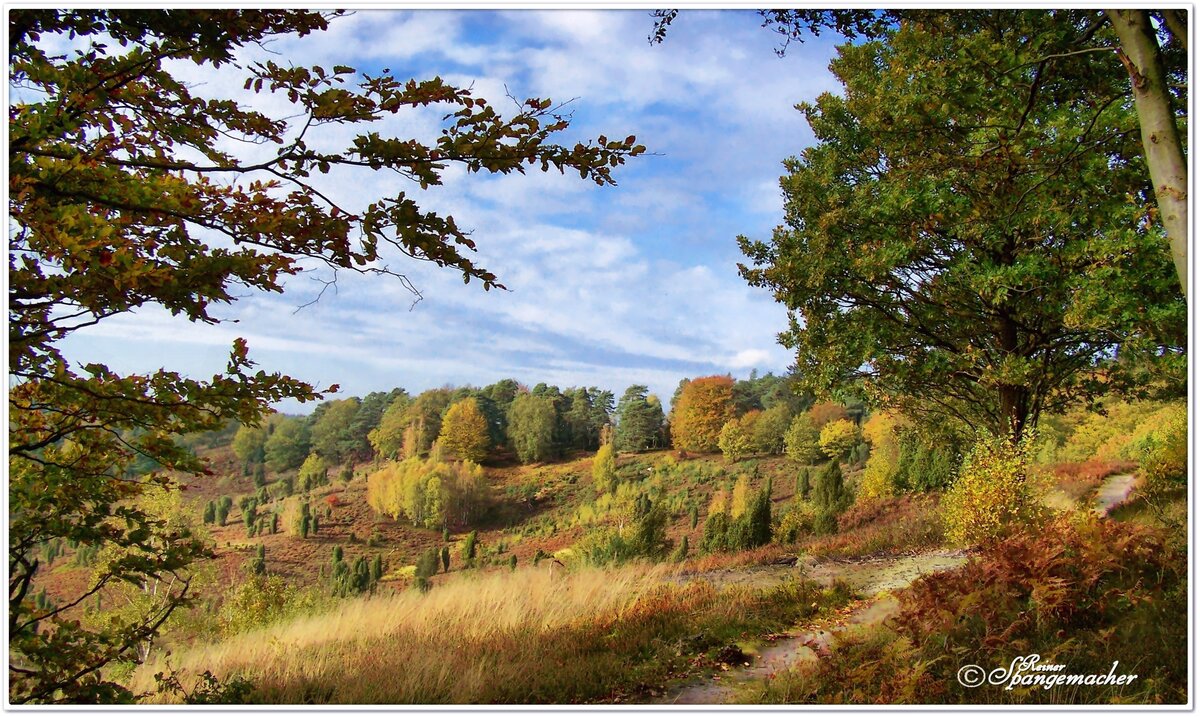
{"x": 887, "y": 526}
{"x": 415, "y": 629}
{"x": 523, "y": 637}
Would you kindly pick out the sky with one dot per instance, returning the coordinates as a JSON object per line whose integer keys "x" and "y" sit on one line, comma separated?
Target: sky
{"x": 607, "y": 286}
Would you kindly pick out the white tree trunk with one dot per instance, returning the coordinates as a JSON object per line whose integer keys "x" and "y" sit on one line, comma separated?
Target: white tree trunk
{"x": 1160, "y": 135}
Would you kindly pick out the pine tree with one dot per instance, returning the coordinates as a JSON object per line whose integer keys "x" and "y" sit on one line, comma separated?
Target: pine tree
{"x": 445, "y": 559}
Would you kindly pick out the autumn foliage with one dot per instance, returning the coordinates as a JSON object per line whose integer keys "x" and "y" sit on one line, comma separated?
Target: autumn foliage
{"x": 464, "y": 433}
{"x": 704, "y": 406}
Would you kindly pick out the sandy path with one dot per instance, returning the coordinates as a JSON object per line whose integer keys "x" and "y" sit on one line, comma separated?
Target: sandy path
{"x": 868, "y": 577}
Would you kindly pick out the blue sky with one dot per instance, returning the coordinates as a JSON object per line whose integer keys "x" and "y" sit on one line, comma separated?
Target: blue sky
{"x": 608, "y": 286}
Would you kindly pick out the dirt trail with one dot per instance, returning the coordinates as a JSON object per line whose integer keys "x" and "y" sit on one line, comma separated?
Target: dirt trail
{"x": 1113, "y": 492}
{"x": 869, "y": 578}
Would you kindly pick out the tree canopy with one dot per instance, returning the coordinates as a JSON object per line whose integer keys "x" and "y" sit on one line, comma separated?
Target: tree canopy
{"x": 128, "y": 190}
{"x": 704, "y": 406}
{"x": 965, "y": 247}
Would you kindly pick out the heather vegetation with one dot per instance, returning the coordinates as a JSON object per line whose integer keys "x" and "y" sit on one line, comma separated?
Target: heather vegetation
{"x": 980, "y": 452}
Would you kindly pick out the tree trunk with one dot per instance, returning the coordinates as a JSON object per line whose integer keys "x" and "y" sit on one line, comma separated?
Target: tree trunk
{"x": 1160, "y": 136}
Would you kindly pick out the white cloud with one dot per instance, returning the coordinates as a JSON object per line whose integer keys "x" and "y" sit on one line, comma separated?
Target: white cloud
{"x": 610, "y": 286}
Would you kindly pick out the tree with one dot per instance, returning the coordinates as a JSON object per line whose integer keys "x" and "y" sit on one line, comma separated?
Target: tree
{"x": 356, "y": 443}
{"x": 288, "y": 445}
{"x": 826, "y": 412}
{"x": 801, "y": 442}
{"x": 770, "y": 428}
{"x": 531, "y": 428}
{"x": 704, "y": 406}
{"x": 736, "y": 439}
{"x": 387, "y": 438}
{"x": 941, "y": 267}
{"x": 838, "y": 437}
{"x": 329, "y": 429}
{"x": 249, "y": 443}
{"x": 464, "y": 433}
{"x": 224, "y": 504}
{"x": 639, "y": 422}
{"x": 118, "y": 182}
{"x": 830, "y": 497}
{"x": 430, "y": 493}
{"x": 604, "y": 470}
{"x": 314, "y": 472}
{"x": 1144, "y": 59}
{"x": 423, "y": 421}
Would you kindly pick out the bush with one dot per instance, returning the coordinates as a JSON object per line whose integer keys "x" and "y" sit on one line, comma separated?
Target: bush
{"x": 991, "y": 497}
{"x": 469, "y": 547}
{"x": 427, "y": 563}
{"x": 747, "y": 525}
{"x": 1160, "y": 445}
{"x": 796, "y": 523}
{"x": 830, "y": 498}
{"x": 681, "y": 552}
{"x": 924, "y": 467}
{"x": 314, "y": 472}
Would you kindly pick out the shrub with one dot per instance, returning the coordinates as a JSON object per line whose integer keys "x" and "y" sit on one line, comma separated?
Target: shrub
{"x": 992, "y": 496}
{"x": 258, "y": 566}
{"x": 681, "y": 552}
{"x": 803, "y": 483}
{"x": 923, "y": 466}
{"x": 469, "y": 546}
{"x": 1082, "y": 592}
{"x": 445, "y": 559}
{"x": 313, "y": 472}
{"x": 1160, "y": 445}
{"x": 830, "y": 498}
{"x": 716, "y": 528}
{"x": 427, "y": 563}
{"x": 838, "y": 437}
{"x": 224, "y": 504}
{"x": 796, "y": 522}
{"x": 801, "y": 442}
{"x": 210, "y": 513}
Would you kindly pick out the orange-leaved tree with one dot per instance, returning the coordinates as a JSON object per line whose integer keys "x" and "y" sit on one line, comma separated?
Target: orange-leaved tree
{"x": 704, "y": 406}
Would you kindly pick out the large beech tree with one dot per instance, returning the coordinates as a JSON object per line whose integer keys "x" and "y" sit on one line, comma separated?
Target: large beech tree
{"x": 127, "y": 191}
{"x": 964, "y": 245}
